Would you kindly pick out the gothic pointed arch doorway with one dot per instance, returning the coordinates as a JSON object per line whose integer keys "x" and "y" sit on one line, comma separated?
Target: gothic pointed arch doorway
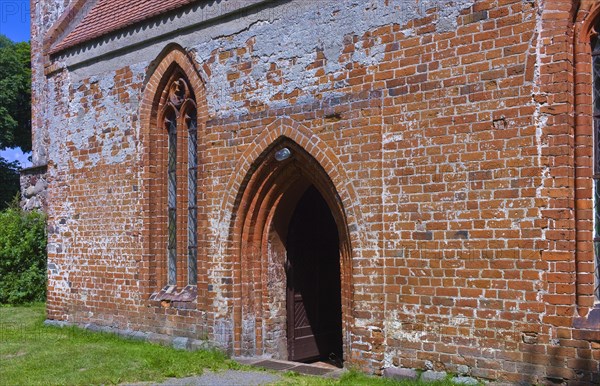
{"x": 292, "y": 280}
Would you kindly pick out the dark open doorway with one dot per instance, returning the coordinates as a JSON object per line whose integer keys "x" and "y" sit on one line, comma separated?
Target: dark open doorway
{"x": 314, "y": 312}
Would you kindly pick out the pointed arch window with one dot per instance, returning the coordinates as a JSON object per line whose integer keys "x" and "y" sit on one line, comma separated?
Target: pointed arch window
{"x": 173, "y": 116}
{"x": 180, "y": 124}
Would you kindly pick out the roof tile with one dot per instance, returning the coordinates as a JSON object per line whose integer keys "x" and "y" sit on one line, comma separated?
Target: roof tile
{"x": 108, "y": 16}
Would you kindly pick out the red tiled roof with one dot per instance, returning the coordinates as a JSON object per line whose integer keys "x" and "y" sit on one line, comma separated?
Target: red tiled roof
{"x": 111, "y": 15}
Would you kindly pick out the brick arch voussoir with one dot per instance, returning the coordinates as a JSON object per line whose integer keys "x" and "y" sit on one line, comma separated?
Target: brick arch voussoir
{"x": 178, "y": 58}
{"x": 175, "y": 59}
{"x": 587, "y": 15}
{"x": 319, "y": 150}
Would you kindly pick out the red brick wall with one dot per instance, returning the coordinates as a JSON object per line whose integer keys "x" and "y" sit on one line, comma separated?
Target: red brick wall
{"x": 457, "y": 166}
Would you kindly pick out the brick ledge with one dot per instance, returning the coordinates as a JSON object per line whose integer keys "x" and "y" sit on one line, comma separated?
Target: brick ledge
{"x": 35, "y": 169}
{"x": 171, "y": 296}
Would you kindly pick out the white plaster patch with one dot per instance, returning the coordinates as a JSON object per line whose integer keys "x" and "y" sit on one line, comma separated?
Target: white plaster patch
{"x": 290, "y": 37}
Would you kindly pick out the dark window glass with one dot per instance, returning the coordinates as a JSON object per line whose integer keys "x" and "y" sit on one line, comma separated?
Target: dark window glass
{"x": 192, "y": 194}
{"x": 596, "y": 72}
{"x": 171, "y": 123}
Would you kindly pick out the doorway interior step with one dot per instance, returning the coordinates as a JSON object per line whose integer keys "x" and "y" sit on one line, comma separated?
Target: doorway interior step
{"x": 319, "y": 368}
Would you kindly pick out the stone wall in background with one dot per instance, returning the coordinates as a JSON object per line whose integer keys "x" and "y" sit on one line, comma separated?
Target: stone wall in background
{"x": 34, "y": 188}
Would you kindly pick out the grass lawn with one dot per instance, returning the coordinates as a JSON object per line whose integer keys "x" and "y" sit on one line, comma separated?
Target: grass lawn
{"x": 34, "y": 354}
{"x": 31, "y": 353}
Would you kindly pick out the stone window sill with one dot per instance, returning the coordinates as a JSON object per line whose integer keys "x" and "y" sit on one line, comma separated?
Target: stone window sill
{"x": 588, "y": 327}
{"x": 171, "y": 296}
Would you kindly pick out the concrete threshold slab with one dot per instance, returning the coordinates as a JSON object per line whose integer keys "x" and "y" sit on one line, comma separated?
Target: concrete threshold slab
{"x": 318, "y": 369}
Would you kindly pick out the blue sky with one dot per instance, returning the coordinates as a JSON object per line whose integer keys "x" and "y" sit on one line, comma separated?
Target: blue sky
{"x": 14, "y": 23}
{"x": 16, "y": 155}
{"x": 14, "y": 19}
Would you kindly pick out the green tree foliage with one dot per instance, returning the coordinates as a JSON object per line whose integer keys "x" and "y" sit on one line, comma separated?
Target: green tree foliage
{"x": 9, "y": 182}
{"x": 15, "y": 94}
{"x": 15, "y": 111}
{"x": 22, "y": 255}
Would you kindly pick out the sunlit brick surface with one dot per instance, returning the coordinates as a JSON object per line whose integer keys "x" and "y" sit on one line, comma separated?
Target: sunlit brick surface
{"x": 451, "y": 139}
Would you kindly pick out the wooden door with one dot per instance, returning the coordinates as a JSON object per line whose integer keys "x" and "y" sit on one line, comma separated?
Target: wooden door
{"x": 313, "y": 281}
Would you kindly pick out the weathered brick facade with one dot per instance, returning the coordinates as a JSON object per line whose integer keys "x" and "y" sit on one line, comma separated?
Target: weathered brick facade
{"x": 451, "y": 140}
